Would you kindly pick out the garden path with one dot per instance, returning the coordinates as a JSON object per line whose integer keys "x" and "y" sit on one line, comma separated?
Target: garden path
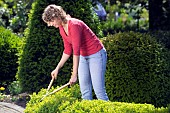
{"x": 10, "y": 108}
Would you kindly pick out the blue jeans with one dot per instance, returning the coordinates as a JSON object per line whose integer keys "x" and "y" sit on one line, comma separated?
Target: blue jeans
{"x": 91, "y": 73}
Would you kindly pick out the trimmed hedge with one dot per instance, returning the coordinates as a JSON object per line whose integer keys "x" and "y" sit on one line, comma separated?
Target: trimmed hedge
{"x": 100, "y": 106}
{"x": 52, "y": 103}
{"x": 10, "y": 47}
{"x": 163, "y": 37}
{"x": 68, "y": 100}
{"x": 137, "y": 69}
{"x": 44, "y": 46}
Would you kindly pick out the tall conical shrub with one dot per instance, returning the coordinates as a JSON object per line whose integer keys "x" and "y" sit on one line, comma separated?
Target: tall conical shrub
{"x": 44, "y": 46}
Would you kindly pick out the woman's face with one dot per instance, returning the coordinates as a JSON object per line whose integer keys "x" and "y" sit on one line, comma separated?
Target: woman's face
{"x": 55, "y": 23}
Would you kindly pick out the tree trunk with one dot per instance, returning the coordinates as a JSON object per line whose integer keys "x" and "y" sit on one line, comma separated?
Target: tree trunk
{"x": 159, "y": 14}
{"x": 155, "y": 14}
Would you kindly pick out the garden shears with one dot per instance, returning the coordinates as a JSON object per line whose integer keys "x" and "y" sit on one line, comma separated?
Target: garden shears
{"x": 56, "y": 90}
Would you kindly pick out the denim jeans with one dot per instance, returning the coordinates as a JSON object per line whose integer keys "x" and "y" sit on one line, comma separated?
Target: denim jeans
{"x": 91, "y": 73}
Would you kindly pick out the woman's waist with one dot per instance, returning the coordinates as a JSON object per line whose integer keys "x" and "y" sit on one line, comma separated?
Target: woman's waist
{"x": 90, "y": 50}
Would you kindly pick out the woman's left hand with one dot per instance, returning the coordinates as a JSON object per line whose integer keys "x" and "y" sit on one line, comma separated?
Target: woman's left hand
{"x": 73, "y": 79}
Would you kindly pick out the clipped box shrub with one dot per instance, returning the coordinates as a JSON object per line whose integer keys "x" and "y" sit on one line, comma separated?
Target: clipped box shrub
{"x": 69, "y": 100}
{"x": 137, "y": 69}
{"x": 10, "y": 47}
{"x": 100, "y": 106}
{"x": 44, "y": 45}
{"x": 163, "y": 37}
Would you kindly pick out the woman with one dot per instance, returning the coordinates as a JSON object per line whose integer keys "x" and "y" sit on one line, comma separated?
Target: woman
{"x": 89, "y": 55}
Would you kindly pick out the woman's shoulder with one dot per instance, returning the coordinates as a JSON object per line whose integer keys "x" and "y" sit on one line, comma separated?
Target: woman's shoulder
{"x": 75, "y": 21}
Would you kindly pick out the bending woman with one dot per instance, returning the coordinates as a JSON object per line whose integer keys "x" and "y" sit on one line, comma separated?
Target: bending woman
{"x": 89, "y": 54}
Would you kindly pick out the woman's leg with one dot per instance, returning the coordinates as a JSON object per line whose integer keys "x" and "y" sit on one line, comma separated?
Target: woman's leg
{"x": 97, "y": 64}
{"x": 84, "y": 79}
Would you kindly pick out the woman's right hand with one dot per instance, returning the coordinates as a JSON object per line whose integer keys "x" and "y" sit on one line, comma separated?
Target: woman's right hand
{"x": 54, "y": 73}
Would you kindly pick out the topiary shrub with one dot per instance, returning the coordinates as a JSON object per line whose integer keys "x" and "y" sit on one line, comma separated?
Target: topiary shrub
{"x": 163, "y": 37}
{"x": 10, "y": 46}
{"x": 137, "y": 69}
{"x": 44, "y": 46}
{"x": 68, "y": 100}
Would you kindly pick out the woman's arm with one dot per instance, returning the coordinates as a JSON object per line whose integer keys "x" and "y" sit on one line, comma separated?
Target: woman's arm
{"x": 75, "y": 69}
{"x": 75, "y": 64}
{"x": 64, "y": 58}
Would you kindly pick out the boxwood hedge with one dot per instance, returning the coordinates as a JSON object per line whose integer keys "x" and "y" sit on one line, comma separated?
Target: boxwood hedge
{"x": 69, "y": 100}
{"x": 137, "y": 69}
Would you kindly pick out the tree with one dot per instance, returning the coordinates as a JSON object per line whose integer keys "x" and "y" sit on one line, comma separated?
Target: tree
{"x": 14, "y": 14}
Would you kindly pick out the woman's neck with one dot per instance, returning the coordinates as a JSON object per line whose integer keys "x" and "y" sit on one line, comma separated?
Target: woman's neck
{"x": 64, "y": 23}
{"x": 65, "y": 26}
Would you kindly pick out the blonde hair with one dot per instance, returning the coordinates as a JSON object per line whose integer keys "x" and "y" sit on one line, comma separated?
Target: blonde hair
{"x": 53, "y": 11}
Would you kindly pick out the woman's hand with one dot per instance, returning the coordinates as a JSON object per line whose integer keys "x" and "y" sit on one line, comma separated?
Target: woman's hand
{"x": 54, "y": 73}
{"x": 73, "y": 79}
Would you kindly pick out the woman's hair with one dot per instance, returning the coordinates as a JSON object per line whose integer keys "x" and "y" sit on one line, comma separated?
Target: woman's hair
{"x": 53, "y": 11}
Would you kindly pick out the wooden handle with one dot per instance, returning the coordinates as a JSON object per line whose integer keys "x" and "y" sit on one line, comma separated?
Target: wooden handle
{"x": 60, "y": 88}
{"x": 51, "y": 82}
{"x": 54, "y": 90}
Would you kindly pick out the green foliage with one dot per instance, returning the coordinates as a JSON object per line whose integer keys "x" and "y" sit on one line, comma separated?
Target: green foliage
{"x": 163, "y": 38}
{"x": 14, "y": 14}
{"x": 137, "y": 69}
{"x": 53, "y": 103}
{"x": 10, "y": 46}
{"x": 2, "y": 96}
{"x": 126, "y": 17}
{"x": 169, "y": 108}
{"x": 100, "y": 106}
{"x": 68, "y": 100}
{"x": 44, "y": 46}
{"x": 14, "y": 88}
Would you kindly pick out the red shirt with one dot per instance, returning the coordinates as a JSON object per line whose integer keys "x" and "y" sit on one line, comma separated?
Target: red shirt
{"x": 80, "y": 39}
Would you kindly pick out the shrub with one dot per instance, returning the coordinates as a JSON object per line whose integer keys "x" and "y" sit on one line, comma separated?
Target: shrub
{"x": 10, "y": 46}
{"x": 162, "y": 37}
{"x": 52, "y": 103}
{"x": 100, "y": 106}
{"x": 68, "y": 101}
{"x": 137, "y": 69}
{"x": 14, "y": 88}
{"x": 44, "y": 46}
